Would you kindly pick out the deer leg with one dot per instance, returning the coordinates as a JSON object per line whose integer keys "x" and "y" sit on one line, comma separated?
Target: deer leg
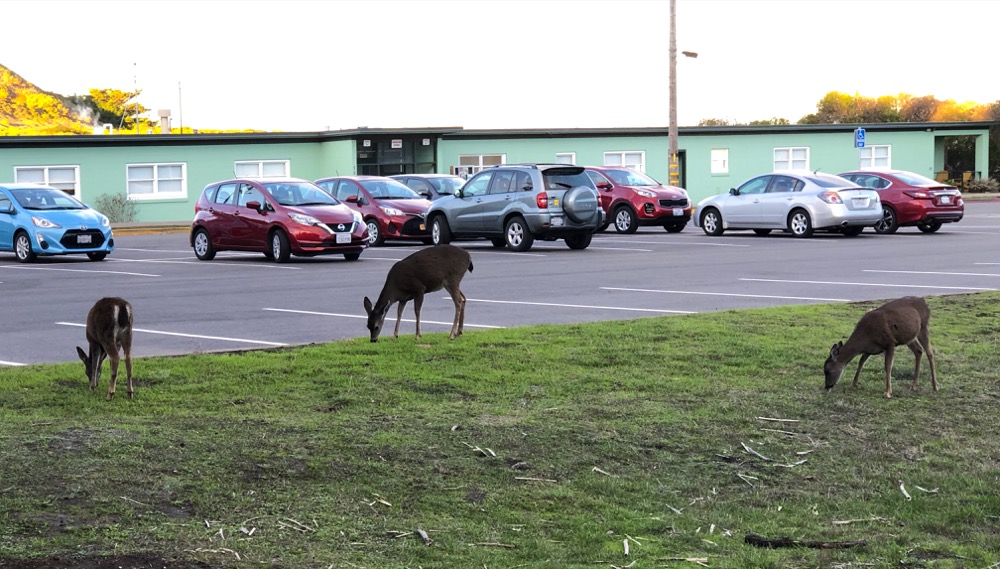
{"x": 127, "y": 348}
{"x": 456, "y": 325}
{"x": 889, "y": 355}
{"x": 461, "y": 316}
{"x": 114, "y": 373}
{"x": 399, "y": 316}
{"x": 918, "y": 351}
{"x": 418, "y": 301}
{"x": 857, "y": 374}
{"x": 925, "y": 341}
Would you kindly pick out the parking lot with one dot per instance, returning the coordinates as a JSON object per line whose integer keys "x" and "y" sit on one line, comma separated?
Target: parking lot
{"x": 243, "y": 301}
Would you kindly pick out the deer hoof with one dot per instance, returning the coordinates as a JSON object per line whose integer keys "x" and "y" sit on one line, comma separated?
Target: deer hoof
{"x": 888, "y": 395}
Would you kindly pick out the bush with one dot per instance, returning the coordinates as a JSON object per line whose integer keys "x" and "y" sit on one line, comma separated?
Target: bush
{"x": 117, "y": 207}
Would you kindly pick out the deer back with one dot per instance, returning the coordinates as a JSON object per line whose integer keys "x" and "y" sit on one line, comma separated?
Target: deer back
{"x": 894, "y": 323}
{"x": 427, "y": 270}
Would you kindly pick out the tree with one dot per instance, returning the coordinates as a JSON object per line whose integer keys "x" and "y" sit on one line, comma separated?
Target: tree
{"x": 114, "y": 106}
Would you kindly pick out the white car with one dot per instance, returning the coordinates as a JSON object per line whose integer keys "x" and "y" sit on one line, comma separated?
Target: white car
{"x": 799, "y": 202}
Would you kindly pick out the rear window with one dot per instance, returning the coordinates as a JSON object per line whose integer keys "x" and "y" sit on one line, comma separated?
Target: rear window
{"x": 554, "y": 180}
{"x": 916, "y": 179}
{"x": 829, "y": 181}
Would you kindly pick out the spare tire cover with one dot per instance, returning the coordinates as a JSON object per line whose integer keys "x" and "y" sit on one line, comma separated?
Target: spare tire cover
{"x": 580, "y": 204}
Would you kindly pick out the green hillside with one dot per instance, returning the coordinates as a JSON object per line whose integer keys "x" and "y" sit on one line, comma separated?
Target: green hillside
{"x": 27, "y": 110}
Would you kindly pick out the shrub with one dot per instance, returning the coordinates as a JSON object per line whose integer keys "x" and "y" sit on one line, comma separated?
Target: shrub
{"x": 117, "y": 207}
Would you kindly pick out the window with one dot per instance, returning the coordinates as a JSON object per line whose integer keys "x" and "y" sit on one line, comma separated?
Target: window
{"x": 565, "y": 157}
{"x": 473, "y": 163}
{"x": 249, "y": 194}
{"x": 720, "y": 160}
{"x": 65, "y": 178}
{"x": 262, "y": 168}
{"x": 875, "y": 157}
{"x": 796, "y": 158}
{"x": 635, "y": 160}
{"x": 156, "y": 181}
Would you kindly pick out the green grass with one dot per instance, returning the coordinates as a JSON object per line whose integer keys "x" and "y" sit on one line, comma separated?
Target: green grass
{"x": 542, "y": 446}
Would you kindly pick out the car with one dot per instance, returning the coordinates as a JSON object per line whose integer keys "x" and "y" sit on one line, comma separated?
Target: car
{"x": 389, "y": 209}
{"x": 431, "y": 186}
{"x": 40, "y": 220}
{"x": 278, "y": 217}
{"x": 798, "y": 202}
{"x": 515, "y": 204}
{"x": 910, "y": 199}
{"x": 631, "y": 199}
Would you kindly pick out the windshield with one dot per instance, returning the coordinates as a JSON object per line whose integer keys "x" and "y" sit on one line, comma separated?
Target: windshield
{"x": 298, "y": 194}
{"x": 915, "y": 179}
{"x": 389, "y": 190}
{"x": 626, "y": 177}
{"x": 446, "y": 185}
{"x": 39, "y": 199}
{"x": 830, "y": 181}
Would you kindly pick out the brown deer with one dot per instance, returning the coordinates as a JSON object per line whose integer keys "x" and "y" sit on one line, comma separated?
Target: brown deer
{"x": 109, "y": 329}
{"x": 895, "y": 323}
{"x": 427, "y": 270}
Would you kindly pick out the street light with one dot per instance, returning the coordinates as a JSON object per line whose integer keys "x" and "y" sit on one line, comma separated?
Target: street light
{"x": 672, "y": 129}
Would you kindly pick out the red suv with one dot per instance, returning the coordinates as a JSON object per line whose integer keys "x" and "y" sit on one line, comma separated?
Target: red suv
{"x": 631, "y": 198}
{"x": 910, "y": 199}
{"x": 276, "y": 216}
{"x": 390, "y": 209}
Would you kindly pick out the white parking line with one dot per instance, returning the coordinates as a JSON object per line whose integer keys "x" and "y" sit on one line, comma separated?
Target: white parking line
{"x": 621, "y": 249}
{"x": 934, "y": 273}
{"x": 580, "y": 306}
{"x": 80, "y": 271}
{"x": 205, "y": 263}
{"x": 865, "y": 284}
{"x": 197, "y": 336}
{"x": 360, "y": 317}
{"x": 726, "y": 294}
{"x": 3, "y": 363}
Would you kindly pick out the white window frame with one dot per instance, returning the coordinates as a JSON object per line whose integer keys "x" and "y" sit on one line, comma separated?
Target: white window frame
{"x": 634, "y": 159}
{"x": 157, "y": 179}
{"x": 260, "y": 165}
{"x": 469, "y": 164}
{"x": 868, "y": 158}
{"x": 720, "y": 161}
{"x": 46, "y": 177}
{"x": 566, "y": 158}
{"x": 791, "y": 158}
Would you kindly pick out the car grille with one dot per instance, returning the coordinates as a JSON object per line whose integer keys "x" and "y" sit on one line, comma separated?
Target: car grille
{"x": 674, "y": 203}
{"x": 70, "y": 239}
{"x": 412, "y": 226}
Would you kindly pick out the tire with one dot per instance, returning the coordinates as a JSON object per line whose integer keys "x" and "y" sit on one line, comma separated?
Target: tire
{"x": 375, "y": 236}
{"x": 624, "y": 220}
{"x": 579, "y": 241}
{"x": 711, "y": 222}
{"x": 929, "y": 226}
{"x": 498, "y": 242}
{"x": 22, "y": 248}
{"x": 97, "y": 256}
{"x": 799, "y": 223}
{"x": 440, "y": 233}
{"x": 762, "y": 232}
{"x": 352, "y": 256}
{"x": 675, "y": 228}
{"x": 853, "y": 230}
{"x": 203, "y": 245}
{"x": 280, "y": 249}
{"x": 517, "y": 236}
{"x": 602, "y": 228}
{"x": 889, "y": 222}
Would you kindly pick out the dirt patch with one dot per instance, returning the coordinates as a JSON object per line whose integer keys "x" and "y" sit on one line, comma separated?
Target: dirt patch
{"x": 150, "y": 561}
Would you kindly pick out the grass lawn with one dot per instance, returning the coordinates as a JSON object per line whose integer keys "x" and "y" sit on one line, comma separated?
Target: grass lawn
{"x": 642, "y": 443}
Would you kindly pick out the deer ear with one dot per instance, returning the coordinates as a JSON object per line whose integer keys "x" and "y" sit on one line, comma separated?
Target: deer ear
{"x": 368, "y": 305}
{"x": 836, "y": 349}
{"x": 82, "y": 354}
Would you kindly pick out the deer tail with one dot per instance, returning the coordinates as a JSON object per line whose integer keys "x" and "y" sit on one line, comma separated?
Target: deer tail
{"x": 470, "y": 265}
{"x": 123, "y": 316}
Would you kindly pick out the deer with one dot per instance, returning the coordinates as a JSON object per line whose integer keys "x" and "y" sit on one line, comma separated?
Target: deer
{"x": 427, "y": 270}
{"x": 109, "y": 329}
{"x": 896, "y": 323}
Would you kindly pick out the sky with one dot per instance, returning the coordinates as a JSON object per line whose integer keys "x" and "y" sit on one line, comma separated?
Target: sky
{"x": 313, "y": 65}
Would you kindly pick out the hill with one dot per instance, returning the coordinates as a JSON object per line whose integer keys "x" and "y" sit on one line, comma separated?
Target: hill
{"x": 27, "y": 110}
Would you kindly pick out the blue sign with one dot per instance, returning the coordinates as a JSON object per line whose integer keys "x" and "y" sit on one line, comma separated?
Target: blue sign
{"x": 859, "y": 138}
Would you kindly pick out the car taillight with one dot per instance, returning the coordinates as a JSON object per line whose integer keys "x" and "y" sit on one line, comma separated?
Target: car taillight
{"x": 542, "y": 199}
{"x": 918, "y": 195}
{"x": 831, "y": 197}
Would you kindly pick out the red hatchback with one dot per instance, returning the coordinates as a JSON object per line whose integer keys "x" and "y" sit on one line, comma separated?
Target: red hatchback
{"x": 910, "y": 199}
{"x": 279, "y": 217}
{"x": 631, "y": 198}
{"x": 390, "y": 209}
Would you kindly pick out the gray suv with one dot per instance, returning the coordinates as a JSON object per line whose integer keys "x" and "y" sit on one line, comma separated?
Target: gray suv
{"x": 514, "y": 204}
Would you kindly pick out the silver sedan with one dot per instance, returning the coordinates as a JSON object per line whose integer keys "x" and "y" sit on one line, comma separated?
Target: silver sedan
{"x": 797, "y": 202}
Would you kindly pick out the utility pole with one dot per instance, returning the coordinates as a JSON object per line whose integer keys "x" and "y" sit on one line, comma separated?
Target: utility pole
{"x": 672, "y": 129}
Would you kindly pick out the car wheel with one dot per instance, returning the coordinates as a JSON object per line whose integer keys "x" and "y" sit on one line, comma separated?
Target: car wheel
{"x": 888, "y": 224}
{"x": 440, "y": 233}
{"x": 517, "y": 235}
{"x": 280, "y": 249}
{"x": 22, "y": 248}
{"x": 711, "y": 222}
{"x": 799, "y": 223}
{"x": 602, "y": 228}
{"x": 674, "y": 228}
{"x": 762, "y": 232}
{"x": 853, "y": 230}
{"x": 375, "y": 237}
{"x": 625, "y": 220}
{"x": 579, "y": 240}
{"x": 929, "y": 226}
{"x": 353, "y": 256}
{"x": 498, "y": 242}
{"x": 203, "y": 245}
{"x": 97, "y": 256}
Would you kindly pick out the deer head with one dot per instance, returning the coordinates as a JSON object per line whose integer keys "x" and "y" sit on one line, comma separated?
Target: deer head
{"x": 375, "y": 319}
{"x": 832, "y": 369}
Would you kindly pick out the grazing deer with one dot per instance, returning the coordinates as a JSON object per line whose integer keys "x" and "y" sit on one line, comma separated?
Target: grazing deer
{"x": 427, "y": 270}
{"x": 895, "y": 323}
{"x": 109, "y": 329}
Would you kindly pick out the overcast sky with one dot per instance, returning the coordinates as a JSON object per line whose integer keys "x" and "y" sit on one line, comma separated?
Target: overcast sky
{"x": 308, "y": 65}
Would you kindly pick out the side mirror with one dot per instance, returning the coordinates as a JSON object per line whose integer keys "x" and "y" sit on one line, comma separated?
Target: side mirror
{"x": 459, "y": 193}
{"x": 353, "y": 199}
{"x": 603, "y": 186}
{"x": 254, "y": 204}
{"x": 734, "y": 192}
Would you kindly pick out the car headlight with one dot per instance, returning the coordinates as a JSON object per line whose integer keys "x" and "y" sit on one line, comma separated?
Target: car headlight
{"x": 645, "y": 193}
{"x": 44, "y": 223}
{"x": 357, "y": 217}
{"x": 105, "y": 222}
{"x": 304, "y": 219}
{"x": 391, "y": 210}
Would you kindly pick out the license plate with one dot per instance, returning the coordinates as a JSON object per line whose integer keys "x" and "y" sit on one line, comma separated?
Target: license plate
{"x": 83, "y": 240}
{"x": 860, "y": 202}
{"x": 557, "y": 221}
{"x": 678, "y": 211}
{"x": 343, "y": 238}
{"x": 945, "y": 200}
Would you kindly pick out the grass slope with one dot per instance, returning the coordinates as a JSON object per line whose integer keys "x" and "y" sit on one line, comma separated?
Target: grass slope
{"x": 531, "y": 447}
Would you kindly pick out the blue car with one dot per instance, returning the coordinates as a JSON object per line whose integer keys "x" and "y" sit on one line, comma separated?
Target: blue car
{"x": 39, "y": 220}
